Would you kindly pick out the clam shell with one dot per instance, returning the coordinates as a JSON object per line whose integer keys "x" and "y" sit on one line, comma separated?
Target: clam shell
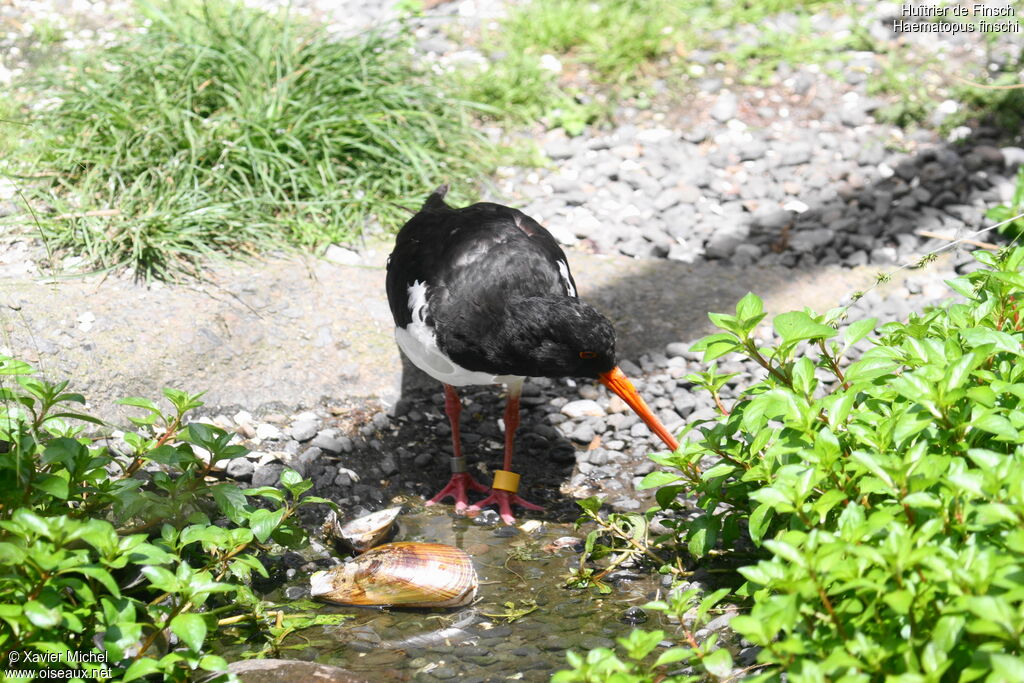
{"x": 402, "y": 574}
{"x": 362, "y": 533}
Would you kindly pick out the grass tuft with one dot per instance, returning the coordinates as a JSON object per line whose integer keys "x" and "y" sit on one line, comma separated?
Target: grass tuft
{"x": 225, "y": 129}
{"x": 600, "y": 50}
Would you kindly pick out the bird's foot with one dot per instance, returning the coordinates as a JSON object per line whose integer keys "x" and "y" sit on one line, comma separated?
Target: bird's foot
{"x": 457, "y": 487}
{"x": 504, "y": 500}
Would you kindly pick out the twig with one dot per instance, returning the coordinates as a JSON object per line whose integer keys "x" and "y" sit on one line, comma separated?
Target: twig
{"x": 975, "y": 243}
{"x": 923, "y": 259}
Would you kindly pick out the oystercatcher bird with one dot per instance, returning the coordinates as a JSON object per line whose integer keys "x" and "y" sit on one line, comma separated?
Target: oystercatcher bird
{"x": 483, "y": 295}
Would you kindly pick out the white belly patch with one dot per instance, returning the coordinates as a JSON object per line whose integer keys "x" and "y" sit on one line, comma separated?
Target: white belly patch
{"x": 425, "y": 355}
{"x": 419, "y": 343}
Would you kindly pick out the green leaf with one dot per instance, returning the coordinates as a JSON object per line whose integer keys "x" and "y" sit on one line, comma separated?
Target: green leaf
{"x": 803, "y": 376}
{"x": 139, "y": 403}
{"x": 657, "y": 478}
{"x": 161, "y": 579}
{"x": 1006, "y": 667}
{"x": 53, "y": 485}
{"x": 993, "y": 423}
{"x": 786, "y": 551}
{"x": 749, "y": 306}
{"x": 773, "y": 498}
{"x": 963, "y": 286}
{"x": 969, "y": 482}
{"x": 868, "y": 368}
{"x": 638, "y": 644}
{"x": 798, "y": 326}
{"x": 265, "y": 492}
{"x": 760, "y": 520}
{"x": 899, "y": 600}
{"x": 871, "y": 462}
{"x": 718, "y": 663}
{"x": 922, "y": 499}
{"x": 673, "y": 655}
{"x": 717, "y": 345}
{"x": 32, "y": 522}
{"x": 263, "y": 522}
{"x": 101, "y": 575}
{"x": 310, "y": 500}
{"x": 912, "y": 423}
{"x": 40, "y": 615}
{"x": 858, "y": 330}
{"x": 191, "y": 628}
{"x": 703, "y": 535}
{"x": 141, "y": 667}
{"x": 722, "y": 469}
{"x": 290, "y": 478}
{"x": 980, "y": 336}
{"x": 231, "y": 501}
{"x": 591, "y": 505}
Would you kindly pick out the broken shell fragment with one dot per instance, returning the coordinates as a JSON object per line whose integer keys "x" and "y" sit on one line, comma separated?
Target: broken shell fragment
{"x": 401, "y": 574}
{"x": 571, "y": 542}
{"x": 362, "y": 533}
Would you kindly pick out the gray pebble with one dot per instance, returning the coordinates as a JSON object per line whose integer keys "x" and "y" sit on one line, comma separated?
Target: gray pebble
{"x": 303, "y": 430}
{"x": 725, "y": 106}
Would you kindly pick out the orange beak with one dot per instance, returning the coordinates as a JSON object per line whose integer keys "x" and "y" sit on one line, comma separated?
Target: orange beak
{"x": 615, "y": 380}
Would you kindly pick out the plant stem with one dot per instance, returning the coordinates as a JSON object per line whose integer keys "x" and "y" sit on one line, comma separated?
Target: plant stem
{"x": 764, "y": 363}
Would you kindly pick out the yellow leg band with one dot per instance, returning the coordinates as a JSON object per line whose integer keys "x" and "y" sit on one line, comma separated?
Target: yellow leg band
{"x": 506, "y": 481}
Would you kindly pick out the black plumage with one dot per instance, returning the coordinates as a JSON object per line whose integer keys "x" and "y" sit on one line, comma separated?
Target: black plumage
{"x": 484, "y": 294}
{"x": 497, "y": 300}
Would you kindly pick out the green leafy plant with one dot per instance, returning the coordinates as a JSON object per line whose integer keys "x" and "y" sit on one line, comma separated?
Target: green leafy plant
{"x": 226, "y": 129}
{"x": 513, "y": 611}
{"x": 625, "y": 538}
{"x": 647, "y": 660}
{"x": 886, "y": 492}
{"x": 132, "y": 558}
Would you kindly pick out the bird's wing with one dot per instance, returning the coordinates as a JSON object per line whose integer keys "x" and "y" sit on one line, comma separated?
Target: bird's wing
{"x": 479, "y": 256}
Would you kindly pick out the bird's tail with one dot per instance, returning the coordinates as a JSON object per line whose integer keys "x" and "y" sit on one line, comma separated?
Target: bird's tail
{"x": 436, "y": 198}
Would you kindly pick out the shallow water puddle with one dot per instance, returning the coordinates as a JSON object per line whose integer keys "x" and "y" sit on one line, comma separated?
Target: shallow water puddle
{"x": 488, "y": 640}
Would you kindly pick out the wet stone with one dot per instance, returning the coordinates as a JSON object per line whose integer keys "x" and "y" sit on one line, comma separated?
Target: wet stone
{"x": 633, "y": 616}
{"x": 444, "y": 673}
{"x": 590, "y": 642}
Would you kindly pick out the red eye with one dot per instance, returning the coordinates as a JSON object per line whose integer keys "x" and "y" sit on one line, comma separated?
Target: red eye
{"x": 588, "y": 354}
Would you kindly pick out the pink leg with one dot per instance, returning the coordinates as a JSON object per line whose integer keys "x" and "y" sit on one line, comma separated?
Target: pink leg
{"x": 461, "y": 481}
{"x": 506, "y": 499}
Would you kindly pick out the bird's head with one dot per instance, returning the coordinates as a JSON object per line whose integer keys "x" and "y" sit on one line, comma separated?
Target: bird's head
{"x": 566, "y": 337}
{"x": 557, "y": 337}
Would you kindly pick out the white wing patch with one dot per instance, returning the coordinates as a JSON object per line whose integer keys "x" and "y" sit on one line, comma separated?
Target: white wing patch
{"x": 419, "y": 342}
{"x": 563, "y": 269}
{"x": 418, "y": 301}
